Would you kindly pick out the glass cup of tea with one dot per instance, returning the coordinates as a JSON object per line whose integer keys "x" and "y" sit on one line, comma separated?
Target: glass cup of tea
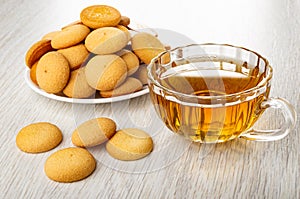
{"x": 212, "y": 93}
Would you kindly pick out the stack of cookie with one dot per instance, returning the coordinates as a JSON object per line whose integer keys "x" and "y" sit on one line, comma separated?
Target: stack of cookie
{"x": 96, "y": 54}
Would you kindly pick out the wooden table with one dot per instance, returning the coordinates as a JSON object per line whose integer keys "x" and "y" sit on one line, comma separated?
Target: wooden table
{"x": 177, "y": 168}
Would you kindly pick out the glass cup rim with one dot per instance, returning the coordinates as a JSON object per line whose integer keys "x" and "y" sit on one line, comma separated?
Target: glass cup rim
{"x": 258, "y": 88}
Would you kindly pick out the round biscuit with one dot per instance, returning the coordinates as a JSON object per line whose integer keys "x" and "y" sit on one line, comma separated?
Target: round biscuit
{"x": 129, "y": 144}
{"x": 72, "y": 24}
{"x": 98, "y": 16}
{"x": 52, "y": 72}
{"x": 105, "y": 72}
{"x": 33, "y": 73}
{"x": 50, "y": 35}
{"x": 131, "y": 85}
{"x": 93, "y": 132}
{"x": 125, "y": 21}
{"x": 70, "y": 36}
{"x": 141, "y": 74}
{"x": 70, "y": 165}
{"x": 77, "y": 86}
{"x": 146, "y": 46}
{"x": 38, "y": 137}
{"x": 125, "y": 30}
{"x": 106, "y": 40}
{"x": 75, "y": 55}
{"x": 131, "y": 60}
{"x": 36, "y": 51}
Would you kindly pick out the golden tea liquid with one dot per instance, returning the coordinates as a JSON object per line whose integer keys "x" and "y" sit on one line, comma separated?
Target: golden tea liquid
{"x": 208, "y": 120}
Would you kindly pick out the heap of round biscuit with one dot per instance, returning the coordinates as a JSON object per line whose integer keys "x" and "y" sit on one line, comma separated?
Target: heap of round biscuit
{"x": 95, "y": 54}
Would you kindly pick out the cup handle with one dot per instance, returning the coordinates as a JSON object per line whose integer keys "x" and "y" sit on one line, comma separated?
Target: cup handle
{"x": 289, "y": 115}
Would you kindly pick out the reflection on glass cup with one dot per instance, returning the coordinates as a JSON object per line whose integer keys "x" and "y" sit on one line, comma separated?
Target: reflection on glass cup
{"x": 213, "y": 93}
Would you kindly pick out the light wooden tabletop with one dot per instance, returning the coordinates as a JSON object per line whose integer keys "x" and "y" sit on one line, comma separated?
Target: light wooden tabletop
{"x": 176, "y": 168}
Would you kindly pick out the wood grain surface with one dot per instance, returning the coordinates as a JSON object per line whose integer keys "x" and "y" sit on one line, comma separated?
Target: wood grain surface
{"x": 177, "y": 168}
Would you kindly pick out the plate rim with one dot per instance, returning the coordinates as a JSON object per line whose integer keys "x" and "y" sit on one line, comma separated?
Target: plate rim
{"x": 38, "y": 90}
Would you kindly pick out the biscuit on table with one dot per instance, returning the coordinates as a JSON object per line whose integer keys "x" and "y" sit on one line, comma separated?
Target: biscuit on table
{"x": 70, "y": 165}
{"x": 105, "y": 72}
{"x": 36, "y": 51}
{"x": 70, "y": 36}
{"x": 106, "y": 40}
{"x": 146, "y": 46}
{"x": 75, "y": 55}
{"x": 94, "y": 132}
{"x": 129, "y": 144}
{"x": 130, "y": 85}
{"x": 98, "y": 16}
{"x": 77, "y": 86}
{"x": 52, "y": 72}
{"x": 38, "y": 137}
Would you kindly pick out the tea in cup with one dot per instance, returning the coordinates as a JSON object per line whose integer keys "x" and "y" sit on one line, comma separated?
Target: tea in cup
{"x": 213, "y": 93}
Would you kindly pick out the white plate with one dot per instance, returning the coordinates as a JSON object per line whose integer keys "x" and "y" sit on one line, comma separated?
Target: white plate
{"x": 167, "y": 37}
{"x": 37, "y": 89}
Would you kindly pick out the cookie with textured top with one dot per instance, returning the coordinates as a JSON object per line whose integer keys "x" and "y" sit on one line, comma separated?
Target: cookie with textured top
{"x": 77, "y": 86}
{"x": 36, "y": 51}
{"x": 98, "y": 16}
{"x": 146, "y": 46}
{"x": 70, "y": 165}
{"x": 75, "y": 55}
{"x": 52, "y": 72}
{"x": 70, "y": 36}
{"x": 106, "y": 40}
{"x": 38, "y": 137}
{"x": 129, "y": 144}
{"x": 105, "y": 72}
{"x": 94, "y": 132}
{"x": 131, "y": 85}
